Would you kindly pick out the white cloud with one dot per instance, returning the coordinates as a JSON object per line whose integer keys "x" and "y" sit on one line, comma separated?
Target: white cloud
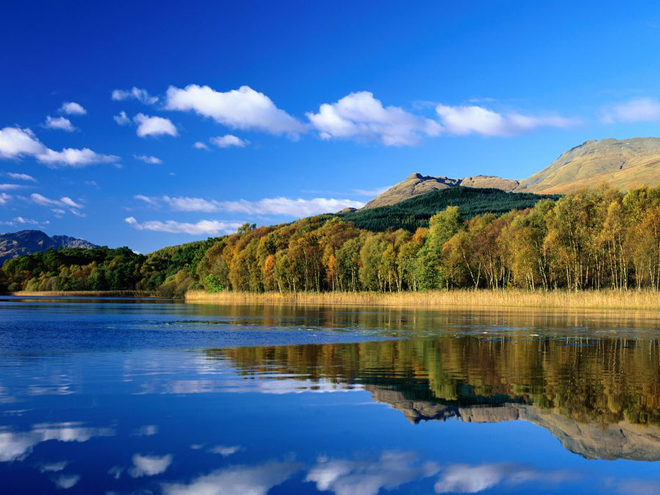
{"x": 144, "y": 465}
{"x": 461, "y": 478}
{"x": 4, "y": 198}
{"x": 75, "y": 158}
{"x": 154, "y": 126}
{"x": 66, "y": 481}
{"x": 10, "y": 187}
{"x": 148, "y": 159}
{"x": 26, "y": 221}
{"x": 228, "y": 140}
{"x": 72, "y": 108}
{"x": 122, "y": 118}
{"x": 53, "y": 467}
{"x": 464, "y": 120}
{"x": 246, "y": 480}
{"x": 58, "y": 204}
{"x": 25, "y": 177}
{"x": 297, "y": 208}
{"x": 635, "y": 110}
{"x": 16, "y": 143}
{"x": 243, "y": 108}
{"x": 348, "y": 477}
{"x": 361, "y": 116}
{"x": 59, "y": 123}
{"x": 203, "y": 227}
{"x": 134, "y": 93}
{"x": 200, "y": 146}
{"x": 224, "y": 450}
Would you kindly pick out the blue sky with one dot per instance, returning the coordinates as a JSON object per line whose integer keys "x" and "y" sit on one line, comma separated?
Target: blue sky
{"x": 299, "y": 107}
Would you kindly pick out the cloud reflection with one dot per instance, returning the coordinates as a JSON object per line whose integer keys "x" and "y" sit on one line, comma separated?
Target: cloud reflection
{"x": 17, "y": 446}
{"x": 462, "y": 478}
{"x": 356, "y": 477}
{"x": 145, "y": 465}
{"x": 246, "y": 480}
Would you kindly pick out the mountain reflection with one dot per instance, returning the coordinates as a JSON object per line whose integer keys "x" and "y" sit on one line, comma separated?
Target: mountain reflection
{"x": 599, "y": 396}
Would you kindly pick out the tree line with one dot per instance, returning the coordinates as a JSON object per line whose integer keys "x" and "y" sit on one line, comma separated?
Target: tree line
{"x": 594, "y": 239}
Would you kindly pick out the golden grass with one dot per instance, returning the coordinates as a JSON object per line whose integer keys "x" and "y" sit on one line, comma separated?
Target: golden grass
{"x": 85, "y": 293}
{"x": 445, "y": 299}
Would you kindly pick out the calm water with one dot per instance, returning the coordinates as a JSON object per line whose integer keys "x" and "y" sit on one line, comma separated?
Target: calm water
{"x": 156, "y": 397}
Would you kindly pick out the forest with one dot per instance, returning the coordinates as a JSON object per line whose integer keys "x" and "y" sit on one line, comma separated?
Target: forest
{"x": 591, "y": 240}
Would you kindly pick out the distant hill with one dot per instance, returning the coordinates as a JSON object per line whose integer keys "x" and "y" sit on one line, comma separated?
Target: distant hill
{"x": 33, "y": 241}
{"x": 417, "y": 211}
{"x": 622, "y": 164}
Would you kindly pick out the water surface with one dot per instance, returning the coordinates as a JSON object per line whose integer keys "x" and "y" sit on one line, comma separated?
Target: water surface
{"x": 135, "y": 396}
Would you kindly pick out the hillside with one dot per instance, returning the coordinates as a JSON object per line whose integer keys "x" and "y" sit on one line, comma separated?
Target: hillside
{"x": 34, "y": 241}
{"x": 419, "y": 185}
{"x": 623, "y": 164}
{"x": 417, "y": 211}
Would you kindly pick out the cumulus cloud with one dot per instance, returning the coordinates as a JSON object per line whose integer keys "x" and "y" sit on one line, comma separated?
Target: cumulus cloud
{"x": 75, "y": 158}
{"x": 25, "y": 177}
{"x": 59, "y": 123}
{"x": 471, "y": 119}
{"x": 361, "y": 116}
{"x": 4, "y": 198}
{"x": 145, "y": 465}
{"x": 16, "y": 143}
{"x": 203, "y": 227}
{"x": 148, "y": 159}
{"x": 141, "y": 95}
{"x": 122, "y": 118}
{"x": 72, "y": 108}
{"x": 297, "y": 208}
{"x": 200, "y": 146}
{"x": 243, "y": 108}
{"x": 248, "y": 480}
{"x": 228, "y": 141}
{"x": 349, "y": 477}
{"x": 154, "y": 126}
{"x": 462, "y": 478}
{"x": 635, "y": 110}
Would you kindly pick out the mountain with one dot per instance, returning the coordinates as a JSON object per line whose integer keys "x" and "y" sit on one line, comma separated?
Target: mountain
{"x": 418, "y": 185}
{"x": 416, "y": 211}
{"x": 622, "y": 164}
{"x": 32, "y": 241}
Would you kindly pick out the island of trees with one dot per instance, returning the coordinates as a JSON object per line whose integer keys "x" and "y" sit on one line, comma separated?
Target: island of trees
{"x": 594, "y": 239}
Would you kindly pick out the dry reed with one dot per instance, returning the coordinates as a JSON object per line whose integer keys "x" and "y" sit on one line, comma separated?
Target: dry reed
{"x": 445, "y": 299}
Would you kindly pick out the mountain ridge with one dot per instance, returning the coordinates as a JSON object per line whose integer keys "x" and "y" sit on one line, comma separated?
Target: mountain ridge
{"x": 14, "y": 244}
{"x": 622, "y": 164}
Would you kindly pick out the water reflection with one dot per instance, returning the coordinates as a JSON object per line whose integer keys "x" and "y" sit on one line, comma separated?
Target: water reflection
{"x": 599, "y": 396}
{"x": 165, "y": 398}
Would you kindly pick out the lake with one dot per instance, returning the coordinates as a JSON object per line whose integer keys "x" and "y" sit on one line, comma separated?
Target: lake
{"x": 148, "y": 396}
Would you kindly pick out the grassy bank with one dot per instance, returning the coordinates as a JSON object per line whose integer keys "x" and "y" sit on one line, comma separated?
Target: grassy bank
{"x": 86, "y": 293}
{"x": 443, "y": 299}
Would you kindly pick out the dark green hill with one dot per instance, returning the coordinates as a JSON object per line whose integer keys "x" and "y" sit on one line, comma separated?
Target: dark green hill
{"x": 417, "y": 211}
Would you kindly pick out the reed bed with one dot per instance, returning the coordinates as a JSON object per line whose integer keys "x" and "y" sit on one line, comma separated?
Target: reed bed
{"x": 445, "y": 299}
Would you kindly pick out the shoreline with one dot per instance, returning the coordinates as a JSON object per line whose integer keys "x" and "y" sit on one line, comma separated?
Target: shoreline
{"x": 484, "y": 298}
{"x": 84, "y": 293}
